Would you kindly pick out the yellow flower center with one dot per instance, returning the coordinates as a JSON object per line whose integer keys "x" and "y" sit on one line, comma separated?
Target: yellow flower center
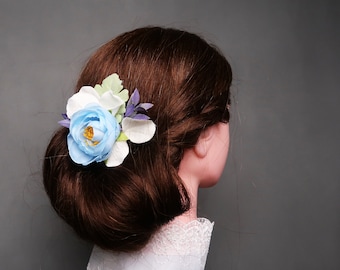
{"x": 88, "y": 134}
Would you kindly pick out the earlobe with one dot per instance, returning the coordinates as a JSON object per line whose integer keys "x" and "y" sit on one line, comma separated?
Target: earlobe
{"x": 202, "y": 146}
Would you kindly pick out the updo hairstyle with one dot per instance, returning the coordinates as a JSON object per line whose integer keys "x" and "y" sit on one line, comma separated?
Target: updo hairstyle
{"x": 188, "y": 82}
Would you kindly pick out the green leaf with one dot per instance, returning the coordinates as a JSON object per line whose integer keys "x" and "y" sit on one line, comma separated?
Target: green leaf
{"x": 122, "y": 137}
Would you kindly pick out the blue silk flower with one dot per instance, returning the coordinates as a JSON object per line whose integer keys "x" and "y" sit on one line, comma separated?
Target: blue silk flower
{"x": 93, "y": 131}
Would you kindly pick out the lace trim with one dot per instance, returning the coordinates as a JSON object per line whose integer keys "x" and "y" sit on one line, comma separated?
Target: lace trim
{"x": 178, "y": 238}
{"x": 176, "y": 246}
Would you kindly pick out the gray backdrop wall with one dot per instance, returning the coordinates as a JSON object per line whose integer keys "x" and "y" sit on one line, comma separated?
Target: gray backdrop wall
{"x": 277, "y": 204}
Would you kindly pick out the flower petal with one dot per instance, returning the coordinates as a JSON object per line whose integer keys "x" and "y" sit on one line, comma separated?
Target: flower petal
{"x": 111, "y": 102}
{"x": 99, "y": 89}
{"x": 119, "y": 152}
{"x": 78, "y": 101}
{"x": 135, "y": 97}
{"x": 113, "y": 83}
{"x": 129, "y": 110}
{"x": 138, "y": 131}
{"x": 76, "y": 154}
{"x": 89, "y": 90}
{"x": 64, "y": 123}
{"x": 124, "y": 95}
{"x": 146, "y": 106}
{"x": 141, "y": 116}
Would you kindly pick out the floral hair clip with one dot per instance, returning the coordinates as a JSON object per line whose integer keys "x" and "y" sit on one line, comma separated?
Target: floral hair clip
{"x": 102, "y": 119}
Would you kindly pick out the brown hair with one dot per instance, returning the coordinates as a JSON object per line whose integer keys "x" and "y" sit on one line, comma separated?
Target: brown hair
{"x": 188, "y": 82}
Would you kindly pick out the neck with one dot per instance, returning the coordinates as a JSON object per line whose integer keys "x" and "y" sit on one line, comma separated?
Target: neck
{"x": 192, "y": 189}
{"x": 190, "y": 172}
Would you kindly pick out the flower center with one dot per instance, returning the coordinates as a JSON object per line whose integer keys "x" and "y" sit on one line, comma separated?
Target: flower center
{"x": 88, "y": 134}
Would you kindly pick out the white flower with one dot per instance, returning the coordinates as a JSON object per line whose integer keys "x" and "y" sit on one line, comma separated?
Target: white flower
{"x": 135, "y": 130}
{"x": 110, "y": 95}
{"x": 88, "y": 95}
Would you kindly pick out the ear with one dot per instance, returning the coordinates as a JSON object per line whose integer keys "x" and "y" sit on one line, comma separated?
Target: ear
{"x": 202, "y": 146}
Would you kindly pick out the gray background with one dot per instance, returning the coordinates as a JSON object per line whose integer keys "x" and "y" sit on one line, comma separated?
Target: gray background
{"x": 277, "y": 204}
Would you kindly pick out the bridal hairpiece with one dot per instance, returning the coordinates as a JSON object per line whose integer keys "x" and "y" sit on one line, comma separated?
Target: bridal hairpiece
{"x": 102, "y": 119}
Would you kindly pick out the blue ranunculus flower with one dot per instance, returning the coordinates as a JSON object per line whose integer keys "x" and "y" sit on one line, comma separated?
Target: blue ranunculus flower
{"x": 93, "y": 132}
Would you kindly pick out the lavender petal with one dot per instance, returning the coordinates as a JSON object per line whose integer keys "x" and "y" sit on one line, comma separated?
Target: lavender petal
{"x": 129, "y": 110}
{"x": 64, "y": 115}
{"x": 141, "y": 117}
{"x": 146, "y": 106}
{"x": 65, "y": 123}
{"x": 135, "y": 97}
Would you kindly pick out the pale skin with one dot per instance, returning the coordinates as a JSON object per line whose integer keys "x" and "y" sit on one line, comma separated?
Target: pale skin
{"x": 202, "y": 165}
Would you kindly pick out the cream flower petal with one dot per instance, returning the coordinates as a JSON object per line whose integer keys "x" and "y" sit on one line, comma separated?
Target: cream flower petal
{"x": 111, "y": 102}
{"x": 124, "y": 95}
{"x": 138, "y": 131}
{"x": 78, "y": 101}
{"x": 119, "y": 152}
{"x": 112, "y": 83}
{"x": 100, "y": 90}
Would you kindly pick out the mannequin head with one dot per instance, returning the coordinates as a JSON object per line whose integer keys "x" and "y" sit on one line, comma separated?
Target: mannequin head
{"x": 188, "y": 82}
{"x": 203, "y": 164}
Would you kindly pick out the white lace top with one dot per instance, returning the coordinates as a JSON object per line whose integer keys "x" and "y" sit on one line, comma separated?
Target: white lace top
{"x": 177, "y": 246}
